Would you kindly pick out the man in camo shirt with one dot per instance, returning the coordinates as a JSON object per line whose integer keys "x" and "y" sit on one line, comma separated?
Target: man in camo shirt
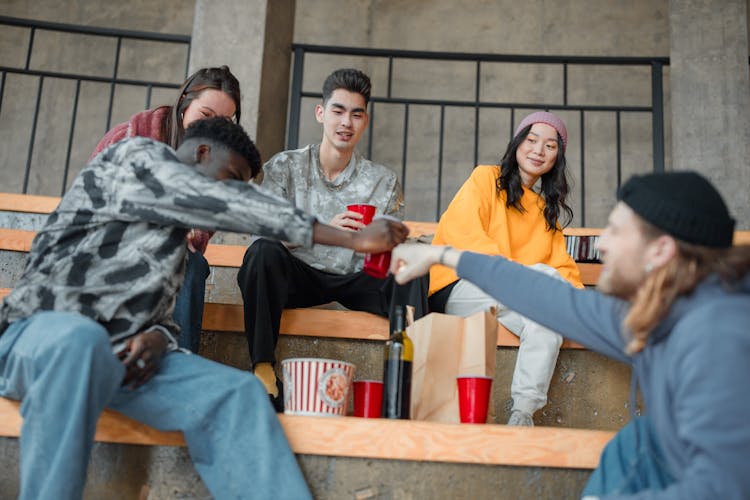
{"x": 89, "y": 325}
{"x": 322, "y": 179}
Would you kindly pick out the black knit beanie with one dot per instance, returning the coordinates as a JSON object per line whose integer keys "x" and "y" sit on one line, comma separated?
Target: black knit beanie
{"x": 683, "y": 204}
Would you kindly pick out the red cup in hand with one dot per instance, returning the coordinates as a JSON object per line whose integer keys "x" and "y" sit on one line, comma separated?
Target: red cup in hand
{"x": 367, "y": 211}
{"x": 377, "y": 264}
{"x": 473, "y": 398}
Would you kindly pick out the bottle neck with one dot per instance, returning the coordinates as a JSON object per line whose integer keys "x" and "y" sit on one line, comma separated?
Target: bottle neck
{"x": 398, "y": 321}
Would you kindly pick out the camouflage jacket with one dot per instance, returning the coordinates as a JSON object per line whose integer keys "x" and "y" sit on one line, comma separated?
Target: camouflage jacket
{"x": 296, "y": 176}
{"x": 114, "y": 249}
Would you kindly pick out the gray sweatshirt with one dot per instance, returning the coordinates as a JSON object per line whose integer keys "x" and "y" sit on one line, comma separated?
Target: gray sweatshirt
{"x": 693, "y": 374}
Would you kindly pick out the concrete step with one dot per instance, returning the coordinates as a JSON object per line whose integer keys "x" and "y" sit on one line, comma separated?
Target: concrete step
{"x": 352, "y": 457}
{"x": 588, "y": 391}
{"x": 129, "y": 472}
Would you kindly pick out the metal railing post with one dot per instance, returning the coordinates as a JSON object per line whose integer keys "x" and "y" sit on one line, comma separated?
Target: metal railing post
{"x": 295, "y": 104}
{"x": 657, "y": 115}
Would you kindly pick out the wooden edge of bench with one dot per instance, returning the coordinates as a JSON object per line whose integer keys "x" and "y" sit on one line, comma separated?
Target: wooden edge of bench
{"x": 13, "y": 202}
{"x": 385, "y": 439}
{"x": 19, "y": 240}
{"x": 327, "y": 323}
{"x": 28, "y": 203}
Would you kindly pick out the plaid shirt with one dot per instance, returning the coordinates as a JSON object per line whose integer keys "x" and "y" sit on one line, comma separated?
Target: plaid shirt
{"x": 114, "y": 249}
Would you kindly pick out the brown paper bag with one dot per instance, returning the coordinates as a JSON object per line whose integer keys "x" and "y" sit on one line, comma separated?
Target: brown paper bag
{"x": 446, "y": 346}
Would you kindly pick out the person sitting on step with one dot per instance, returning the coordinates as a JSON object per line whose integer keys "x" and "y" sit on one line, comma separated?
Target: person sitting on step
{"x": 513, "y": 209}
{"x": 675, "y": 306}
{"x": 322, "y": 179}
{"x": 89, "y": 326}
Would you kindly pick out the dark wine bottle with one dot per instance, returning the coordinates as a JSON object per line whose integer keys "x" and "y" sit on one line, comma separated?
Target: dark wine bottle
{"x": 399, "y": 354}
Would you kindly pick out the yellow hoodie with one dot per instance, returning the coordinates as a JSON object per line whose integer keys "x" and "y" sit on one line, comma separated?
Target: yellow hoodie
{"x": 477, "y": 220}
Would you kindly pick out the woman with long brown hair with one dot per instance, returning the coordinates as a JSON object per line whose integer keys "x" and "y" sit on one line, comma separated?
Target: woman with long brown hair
{"x": 514, "y": 209}
{"x": 206, "y": 93}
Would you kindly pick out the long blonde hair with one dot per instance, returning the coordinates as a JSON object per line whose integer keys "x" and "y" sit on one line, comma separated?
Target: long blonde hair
{"x": 680, "y": 276}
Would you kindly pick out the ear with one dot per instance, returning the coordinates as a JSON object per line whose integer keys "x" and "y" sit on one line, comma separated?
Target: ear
{"x": 661, "y": 250}
{"x": 202, "y": 153}
{"x": 319, "y": 113}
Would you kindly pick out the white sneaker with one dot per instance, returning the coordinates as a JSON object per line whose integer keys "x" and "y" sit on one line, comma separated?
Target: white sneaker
{"x": 520, "y": 418}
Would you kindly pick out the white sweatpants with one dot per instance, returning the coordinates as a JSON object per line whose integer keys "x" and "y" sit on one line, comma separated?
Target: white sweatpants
{"x": 539, "y": 347}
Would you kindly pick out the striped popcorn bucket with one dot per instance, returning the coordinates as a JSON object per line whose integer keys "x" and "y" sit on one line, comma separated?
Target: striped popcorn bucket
{"x": 314, "y": 386}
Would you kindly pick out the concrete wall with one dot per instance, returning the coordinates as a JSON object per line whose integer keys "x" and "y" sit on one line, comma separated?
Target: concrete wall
{"x": 577, "y": 27}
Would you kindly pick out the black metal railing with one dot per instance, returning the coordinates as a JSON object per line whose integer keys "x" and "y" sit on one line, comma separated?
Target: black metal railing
{"x": 113, "y": 79}
{"x": 656, "y": 108}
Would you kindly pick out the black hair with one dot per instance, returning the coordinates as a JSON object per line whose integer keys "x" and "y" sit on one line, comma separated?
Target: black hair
{"x": 349, "y": 79}
{"x": 223, "y": 131}
{"x": 220, "y": 78}
{"x": 555, "y": 185}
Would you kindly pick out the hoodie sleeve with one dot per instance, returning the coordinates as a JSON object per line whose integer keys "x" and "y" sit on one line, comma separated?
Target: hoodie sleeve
{"x": 710, "y": 406}
{"x": 584, "y": 316}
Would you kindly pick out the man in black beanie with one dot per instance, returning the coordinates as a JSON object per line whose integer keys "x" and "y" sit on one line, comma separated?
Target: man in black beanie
{"x": 676, "y": 307}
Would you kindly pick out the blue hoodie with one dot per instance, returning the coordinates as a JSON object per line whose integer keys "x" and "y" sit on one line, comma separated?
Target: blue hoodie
{"x": 694, "y": 374}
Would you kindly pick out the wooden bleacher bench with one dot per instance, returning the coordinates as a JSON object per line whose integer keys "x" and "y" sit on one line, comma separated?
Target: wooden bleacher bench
{"x": 229, "y": 317}
{"x": 348, "y": 436}
{"x": 377, "y": 439}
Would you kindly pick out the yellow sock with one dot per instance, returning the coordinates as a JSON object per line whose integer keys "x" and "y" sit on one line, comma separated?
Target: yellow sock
{"x": 264, "y": 372}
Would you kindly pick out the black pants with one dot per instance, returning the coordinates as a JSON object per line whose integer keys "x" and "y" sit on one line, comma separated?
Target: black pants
{"x": 272, "y": 279}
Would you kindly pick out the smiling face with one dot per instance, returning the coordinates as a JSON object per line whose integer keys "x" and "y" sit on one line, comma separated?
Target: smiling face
{"x": 344, "y": 118}
{"x": 209, "y": 103}
{"x": 537, "y": 154}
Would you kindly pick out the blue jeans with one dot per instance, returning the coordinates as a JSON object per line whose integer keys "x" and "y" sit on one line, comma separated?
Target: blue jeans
{"x": 188, "y": 308}
{"x": 61, "y": 367}
{"x": 624, "y": 469}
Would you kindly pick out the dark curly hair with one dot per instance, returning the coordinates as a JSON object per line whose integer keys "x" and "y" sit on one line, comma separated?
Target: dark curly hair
{"x": 225, "y": 132}
{"x": 555, "y": 185}
{"x": 349, "y": 79}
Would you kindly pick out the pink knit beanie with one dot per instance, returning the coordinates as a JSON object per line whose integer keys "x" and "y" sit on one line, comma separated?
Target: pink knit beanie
{"x": 549, "y": 119}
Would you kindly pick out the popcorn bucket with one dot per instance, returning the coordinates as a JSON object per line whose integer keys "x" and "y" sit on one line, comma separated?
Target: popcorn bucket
{"x": 314, "y": 386}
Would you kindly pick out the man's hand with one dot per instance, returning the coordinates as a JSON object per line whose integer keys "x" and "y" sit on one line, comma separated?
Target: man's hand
{"x": 380, "y": 236}
{"x": 413, "y": 260}
{"x": 348, "y": 221}
{"x": 142, "y": 357}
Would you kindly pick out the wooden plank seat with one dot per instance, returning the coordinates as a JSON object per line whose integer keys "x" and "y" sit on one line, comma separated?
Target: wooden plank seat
{"x": 385, "y": 439}
{"x": 306, "y": 322}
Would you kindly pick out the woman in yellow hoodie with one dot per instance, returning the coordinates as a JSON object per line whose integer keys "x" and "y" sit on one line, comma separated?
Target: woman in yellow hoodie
{"x": 500, "y": 211}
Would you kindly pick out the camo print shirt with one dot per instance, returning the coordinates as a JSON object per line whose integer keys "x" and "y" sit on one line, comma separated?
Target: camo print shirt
{"x": 296, "y": 176}
{"x": 114, "y": 249}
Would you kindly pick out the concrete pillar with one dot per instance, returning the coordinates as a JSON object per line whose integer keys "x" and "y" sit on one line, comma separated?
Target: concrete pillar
{"x": 710, "y": 88}
{"x": 252, "y": 37}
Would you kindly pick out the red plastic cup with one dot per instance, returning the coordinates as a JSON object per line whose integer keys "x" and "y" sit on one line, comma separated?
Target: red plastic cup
{"x": 473, "y": 398}
{"x": 368, "y": 397}
{"x": 377, "y": 264}
{"x": 367, "y": 211}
